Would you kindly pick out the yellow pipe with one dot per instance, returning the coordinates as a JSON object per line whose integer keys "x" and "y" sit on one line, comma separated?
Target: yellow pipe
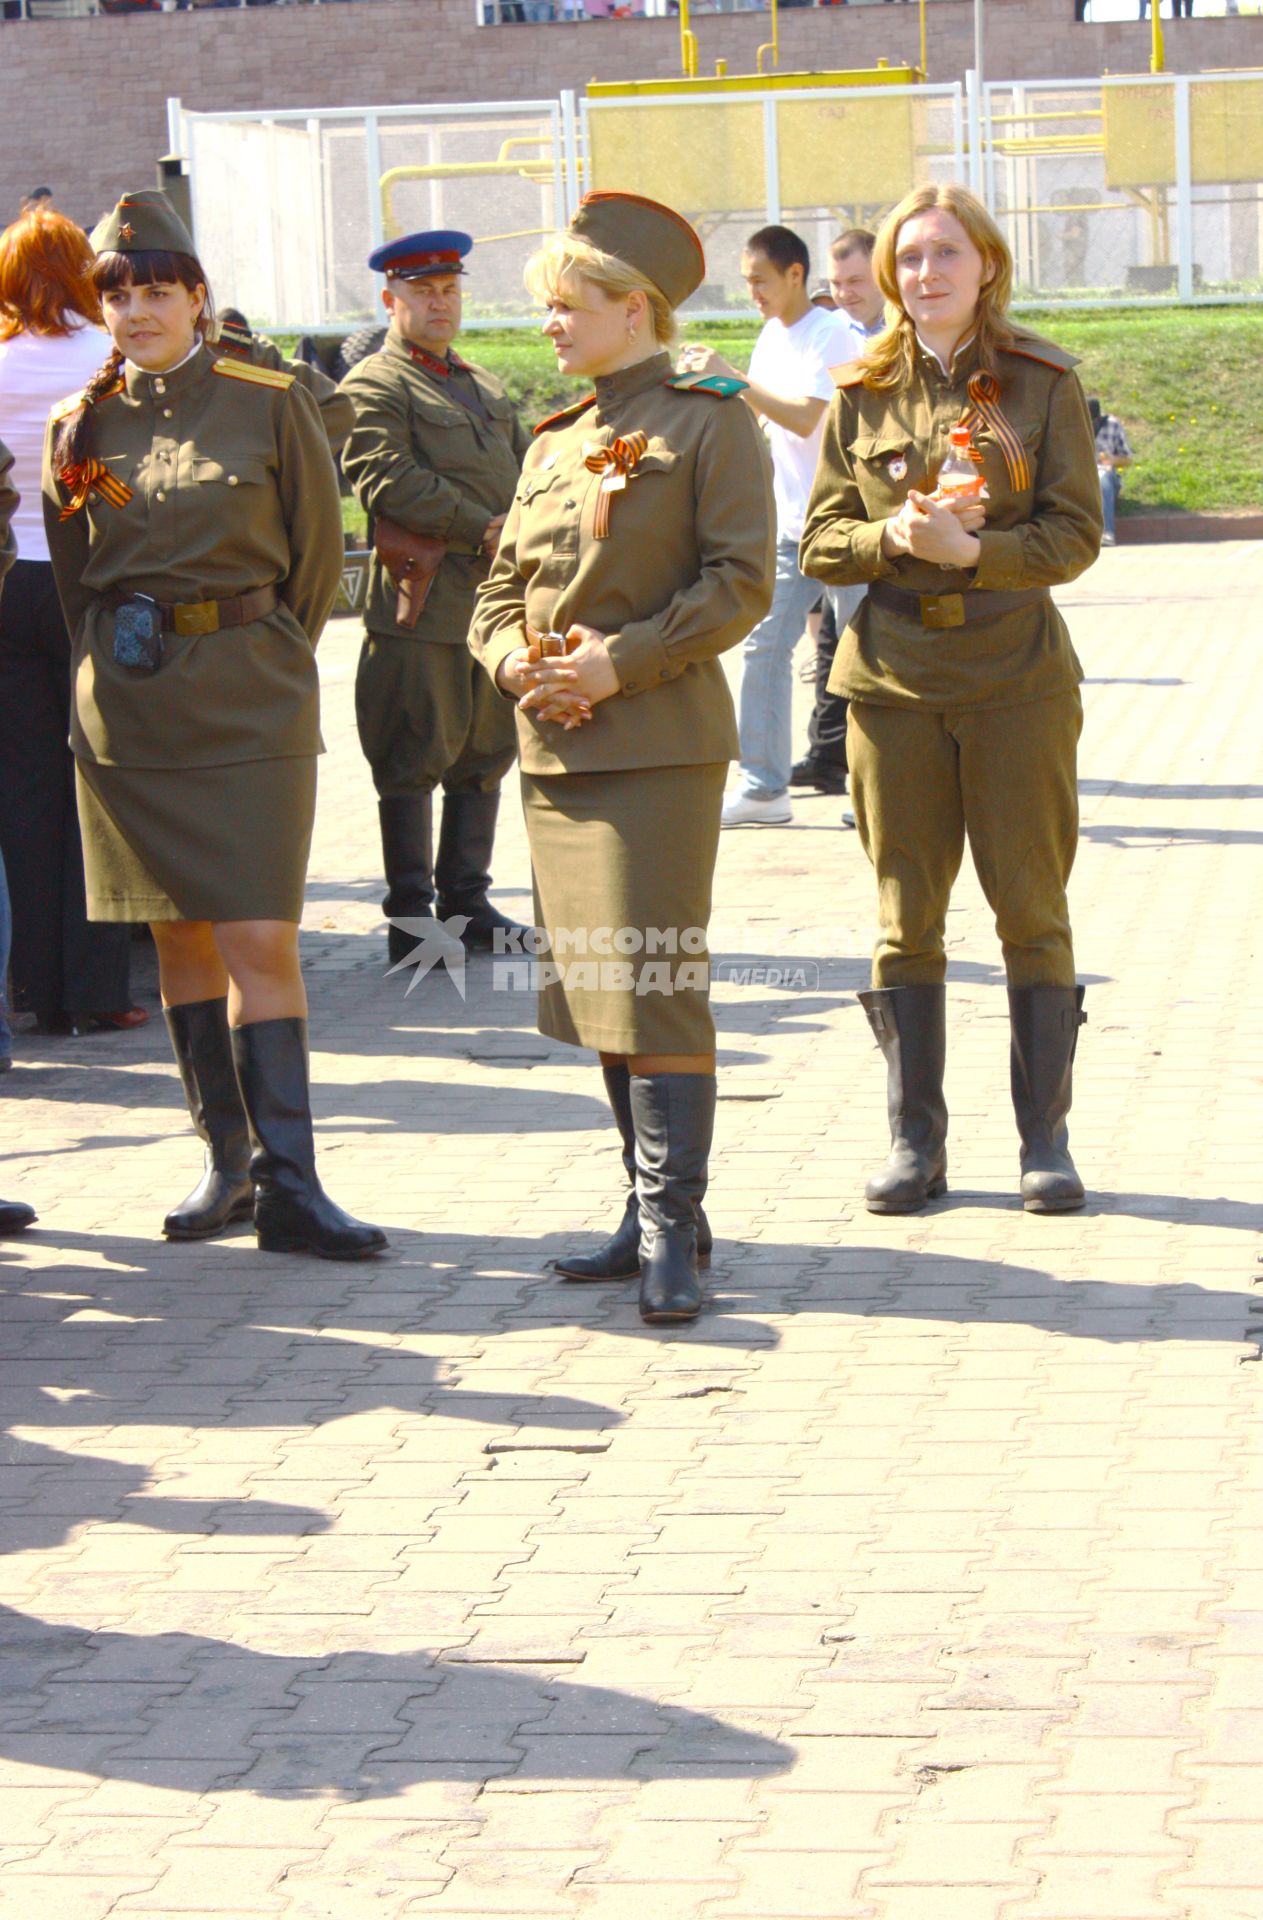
{"x": 925, "y": 67}
{"x": 688, "y": 43}
{"x": 1079, "y": 113}
{"x": 772, "y": 46}
{"x": 1158, "y": 53}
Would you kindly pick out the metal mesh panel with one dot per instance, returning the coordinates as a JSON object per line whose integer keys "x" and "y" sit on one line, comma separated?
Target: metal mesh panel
{"x": 706, "y": 159}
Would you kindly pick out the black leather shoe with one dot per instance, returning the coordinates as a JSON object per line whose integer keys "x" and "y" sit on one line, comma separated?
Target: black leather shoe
{"x": 292, "y": 1211}
{"x": 203, "y": 1053}
{"x": 1044, "y": 1027}
{"x": 910, "y": 1026}
{"x": 674, "y": 1118}
{"x": 16, "y": 1216}
{"x": 825, "y": 779}
{"x": 618, "y": 1258}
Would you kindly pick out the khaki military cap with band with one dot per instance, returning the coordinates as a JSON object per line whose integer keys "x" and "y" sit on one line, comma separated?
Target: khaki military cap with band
{"x": 142, "y": 222}
{"x": 654, "y": 239}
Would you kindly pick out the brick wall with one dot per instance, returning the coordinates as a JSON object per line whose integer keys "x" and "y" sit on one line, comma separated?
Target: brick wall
{"x": 85, "y": 99}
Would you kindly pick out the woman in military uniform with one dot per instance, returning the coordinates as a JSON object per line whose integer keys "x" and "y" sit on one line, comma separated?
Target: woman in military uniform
{"x": 964, "y": 687}
{"x": 15, "y": 1215}
{"x": 195, "y": 533}
{"x": 641, "y": 533}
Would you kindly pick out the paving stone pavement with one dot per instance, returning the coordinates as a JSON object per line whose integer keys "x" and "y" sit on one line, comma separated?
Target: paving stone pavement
{"x": 920, "y": 1580}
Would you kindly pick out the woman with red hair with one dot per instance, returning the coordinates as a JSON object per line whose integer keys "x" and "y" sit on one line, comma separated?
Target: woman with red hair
{"x": 71, "y": 974}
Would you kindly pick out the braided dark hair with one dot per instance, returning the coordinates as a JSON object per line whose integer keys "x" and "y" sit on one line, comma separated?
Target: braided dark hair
{"x": 70, "y": 441}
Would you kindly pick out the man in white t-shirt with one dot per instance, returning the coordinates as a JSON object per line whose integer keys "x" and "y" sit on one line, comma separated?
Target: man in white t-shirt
{"x": 789, "y": 388}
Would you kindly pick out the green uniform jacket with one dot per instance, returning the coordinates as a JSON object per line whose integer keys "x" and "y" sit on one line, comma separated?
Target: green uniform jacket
{"x": 256, "y": 350}
{"x": 416, "y": 455}
{"x": 232, "y": 487}
{"x": 8, "y": 506}
{"x": 877, "y": 446}
{"x": 685, "y": 572}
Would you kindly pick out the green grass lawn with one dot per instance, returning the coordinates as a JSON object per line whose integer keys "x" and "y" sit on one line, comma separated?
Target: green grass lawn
{"x": 1187, "y": 383}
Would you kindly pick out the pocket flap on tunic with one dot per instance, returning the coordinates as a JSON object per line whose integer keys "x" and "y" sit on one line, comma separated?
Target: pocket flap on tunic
{"x": 247, "y": 470}
{"x": 871, "y": 446}
{"x": 656, "y": 459}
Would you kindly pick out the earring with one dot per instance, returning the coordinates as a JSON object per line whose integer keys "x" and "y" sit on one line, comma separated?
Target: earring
{"x": 631, "y": 329}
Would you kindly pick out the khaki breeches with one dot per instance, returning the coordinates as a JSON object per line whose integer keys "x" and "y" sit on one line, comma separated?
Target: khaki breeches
{"x": 427, "y": 712}
{"x": 921, "y": 781}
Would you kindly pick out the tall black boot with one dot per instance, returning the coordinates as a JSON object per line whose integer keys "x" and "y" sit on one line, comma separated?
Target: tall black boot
{"x": 1044, "y": 1027}
{"x": 618, "y": 1258}
{"x": 203, "y": 1052}
{"x": 463, "y": 869}
{"x": 910, "y": 1026}
{"x": 674, "y": 1118}
{"x": 408, "y": 859}
{"x": 292, "y": 1211}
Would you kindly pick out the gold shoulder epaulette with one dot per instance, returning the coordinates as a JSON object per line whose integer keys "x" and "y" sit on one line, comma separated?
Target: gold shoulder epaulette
{"x": 258, "y": 376}
{"x": 849, "y": 374}
{"x": 74, "y": 401}
{"x": 721, "y": 386}
{"x": 565, "y": 414}
{"x": 1029, "y": 346}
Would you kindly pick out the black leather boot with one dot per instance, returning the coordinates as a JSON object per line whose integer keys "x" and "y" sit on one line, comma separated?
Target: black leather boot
{"x": 202, "y": 1046}
{"x": 408, "y": 859}
{"x": 292, "y": 1211}
{"x": 910, "y": 1026}
{"x": 1044, "y": 1027}
{"x": 674, "y": 1118}
{"x": 463, "y": 871}
{"x": 15, "y": 1215}
{"x": 618, "y": 1258}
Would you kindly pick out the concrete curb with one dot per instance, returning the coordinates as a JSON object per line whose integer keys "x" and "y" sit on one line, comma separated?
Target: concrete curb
{"x": 1148, "y": 529}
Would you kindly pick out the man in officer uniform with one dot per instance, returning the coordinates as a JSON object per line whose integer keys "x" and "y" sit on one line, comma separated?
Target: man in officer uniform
{"x": 436, "y": 448}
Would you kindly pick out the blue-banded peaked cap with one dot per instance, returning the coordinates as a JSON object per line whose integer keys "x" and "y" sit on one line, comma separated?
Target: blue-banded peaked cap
{"x": 418, "y": 254}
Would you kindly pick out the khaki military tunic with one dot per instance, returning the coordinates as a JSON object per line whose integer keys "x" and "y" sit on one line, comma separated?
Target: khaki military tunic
{"x": 8, "y": 506}
{"x": 966, "y": 729}
{"x": 623, "y": 812}
{"x": 439, "y": 452}
{"x": 200, "y": 777}
{"x": 255, "y": 350}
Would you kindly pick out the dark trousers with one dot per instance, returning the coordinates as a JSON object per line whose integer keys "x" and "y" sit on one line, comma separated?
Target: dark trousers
{"x": 60, "y": 963}
{"x": 826, "y": 729}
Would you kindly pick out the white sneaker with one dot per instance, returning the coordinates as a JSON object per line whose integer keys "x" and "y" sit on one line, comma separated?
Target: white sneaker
{"x": 742, "y": 812}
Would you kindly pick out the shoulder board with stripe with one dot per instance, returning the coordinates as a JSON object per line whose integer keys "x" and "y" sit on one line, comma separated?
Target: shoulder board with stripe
{"x": 233, "y": 338}
{"x": 720, "y": 386}
{"x": 74, "y": 401}
{"x": 849, "y": 374}
{"x": 566, "y": 414}
{"x": 257, "y": 376}
{"x": 1029, "y": 346}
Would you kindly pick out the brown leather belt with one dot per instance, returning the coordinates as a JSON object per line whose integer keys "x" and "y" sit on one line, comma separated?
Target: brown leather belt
{"x": 206, "y": 616}
{"x": 940, "y": 610}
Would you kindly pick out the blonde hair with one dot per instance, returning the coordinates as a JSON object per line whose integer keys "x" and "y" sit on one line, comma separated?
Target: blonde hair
{"x": 890, "y": 361}
{"x": 567, "y": 258}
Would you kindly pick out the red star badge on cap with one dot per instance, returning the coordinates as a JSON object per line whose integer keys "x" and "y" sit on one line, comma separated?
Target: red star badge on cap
{"x": 127, "y": 231}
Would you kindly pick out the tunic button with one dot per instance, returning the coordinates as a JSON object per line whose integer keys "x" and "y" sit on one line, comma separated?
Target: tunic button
{"x": 159, "y": 386}
{"x": 232, "y": 479}
{"x": 160, "y": 495}
{"x": 167, "y": 413}
{"x": 570, "y": 503}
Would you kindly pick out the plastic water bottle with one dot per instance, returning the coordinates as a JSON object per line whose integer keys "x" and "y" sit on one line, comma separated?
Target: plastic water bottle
{"x": 960, "y": 476}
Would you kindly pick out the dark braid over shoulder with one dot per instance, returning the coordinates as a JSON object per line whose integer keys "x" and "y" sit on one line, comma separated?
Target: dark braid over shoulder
{"x": 70, "y": 443}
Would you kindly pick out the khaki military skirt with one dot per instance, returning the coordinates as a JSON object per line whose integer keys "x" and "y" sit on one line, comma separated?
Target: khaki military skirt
{"x": 623, "y": 867}
{"x": 197, "y": 843}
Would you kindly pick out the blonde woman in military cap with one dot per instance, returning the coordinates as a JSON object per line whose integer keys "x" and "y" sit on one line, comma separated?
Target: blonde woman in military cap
{"x": 640, "y": 540}
{"x": 964, "y": 687}
{"x": 195, "y": 532}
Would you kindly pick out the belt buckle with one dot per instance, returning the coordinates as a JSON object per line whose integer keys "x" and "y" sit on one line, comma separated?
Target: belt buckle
{"x": 939, "y": 610}
{"x": 196, "y": 616}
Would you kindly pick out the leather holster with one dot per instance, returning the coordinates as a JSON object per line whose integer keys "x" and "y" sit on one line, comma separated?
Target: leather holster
{"x": 411, "y": 560}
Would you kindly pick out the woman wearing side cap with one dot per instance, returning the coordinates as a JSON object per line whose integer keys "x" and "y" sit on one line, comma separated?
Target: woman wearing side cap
{"x": 642, "y": 531}
{"x": 195, "y": 533}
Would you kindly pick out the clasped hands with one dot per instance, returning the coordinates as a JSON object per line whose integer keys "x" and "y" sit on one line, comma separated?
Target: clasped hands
{"x": 928, "y": 528}
{"x": 562, "y": 688}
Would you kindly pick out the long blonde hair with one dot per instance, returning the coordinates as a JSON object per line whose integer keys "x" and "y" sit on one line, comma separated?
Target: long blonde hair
{"x": 567, "y": 258}
{"x": 889, "y": 362}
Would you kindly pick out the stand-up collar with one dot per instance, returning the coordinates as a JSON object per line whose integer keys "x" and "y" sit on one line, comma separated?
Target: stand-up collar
{"x": 175, "y": 381}
{"x": 613, "y": 388}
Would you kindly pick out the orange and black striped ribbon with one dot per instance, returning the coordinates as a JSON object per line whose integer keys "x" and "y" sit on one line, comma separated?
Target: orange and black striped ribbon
{"x": 984, "y": 393}
{"x": 82, "y": 476}
{"x": 615, "y": 462}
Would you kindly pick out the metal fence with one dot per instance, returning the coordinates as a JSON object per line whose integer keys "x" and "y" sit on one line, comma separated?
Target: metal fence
{"x": 1146, "y": 188}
